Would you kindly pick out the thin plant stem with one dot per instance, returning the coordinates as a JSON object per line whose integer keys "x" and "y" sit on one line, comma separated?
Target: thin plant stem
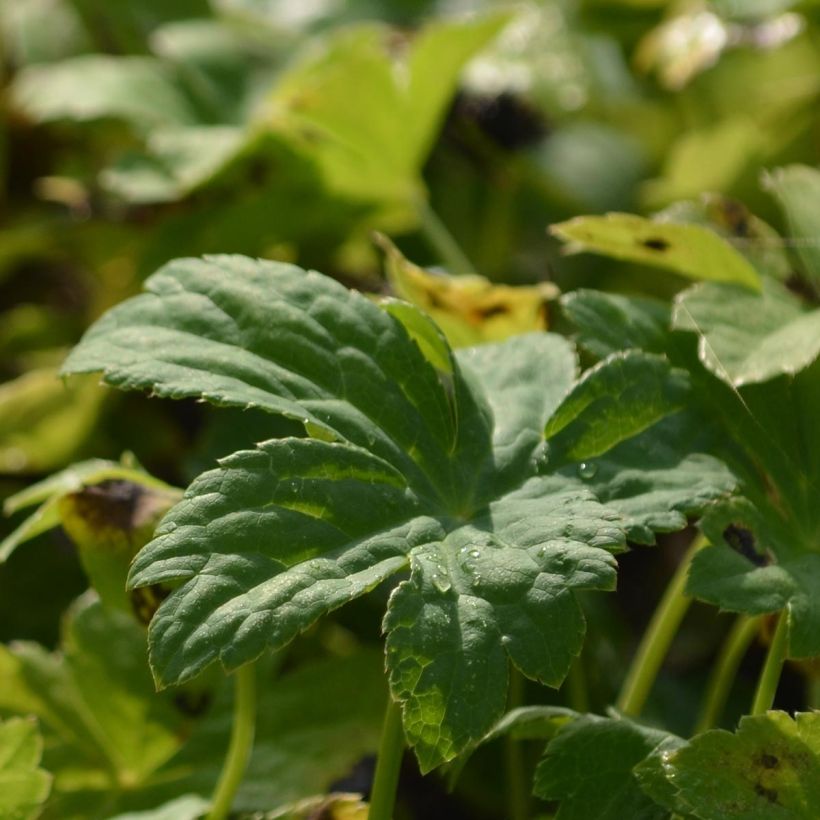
{"x": 770, "y": 674}
{"x": 388, "y": 764}
{"x": 723, "y": 675}
{"x": 241, "y": 743}
{"x": 657, "y": 638}
{"x": 518, "y": 796}
{"x": 442, "y": 241}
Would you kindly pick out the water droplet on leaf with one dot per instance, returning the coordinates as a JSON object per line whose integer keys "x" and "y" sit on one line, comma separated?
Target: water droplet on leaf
{"x": 441, "y": 582}
{"x": 587, "y": 469}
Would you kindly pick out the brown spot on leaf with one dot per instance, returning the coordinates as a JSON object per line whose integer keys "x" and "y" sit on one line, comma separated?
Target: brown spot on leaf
{"x": 768, "y": 761}
{"x": 655, "y": 243}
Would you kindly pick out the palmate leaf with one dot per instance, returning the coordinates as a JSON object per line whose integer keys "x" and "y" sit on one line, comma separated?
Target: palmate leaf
{"x": 414, "y": 456}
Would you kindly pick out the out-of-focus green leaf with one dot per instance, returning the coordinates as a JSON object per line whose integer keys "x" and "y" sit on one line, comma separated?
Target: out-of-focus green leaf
{"x": 753, "y": 237}
{"x": 105, "y": 728}
{"x": 469, "y": 309}
{"x": 187, "y": 807}
{"x": 770, "y": 768}
{"x": 747, "y": 337}
{"x": 43, "y": 421}
{"x": 588, "y": 767}
{"x": 375, "y": 148}
{"x": 613, "y": 401}
{"x": 178, "y": 160}
{"x": 25, "y": 38}
{"x": 23, "y": 786}
{"x": 797, "y": 189}
{"x": 688, "y": 250}
{"x": 141, "y": 90}
{"x": 710, "y": 158}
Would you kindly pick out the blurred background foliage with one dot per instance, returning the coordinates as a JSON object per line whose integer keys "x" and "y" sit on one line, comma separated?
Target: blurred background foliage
{"x": 143, "y": 130}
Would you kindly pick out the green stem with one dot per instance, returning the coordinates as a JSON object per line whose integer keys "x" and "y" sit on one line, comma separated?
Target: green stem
{"x": 241, "y": 744}
{"x": 770, "y": 675}
{"x": 657, "y": 638}
{"x": 723, "y": 675}
{"x": 388, "y": 764}
{"x": 518, "y": 796}
{"x": 441, "y": 240}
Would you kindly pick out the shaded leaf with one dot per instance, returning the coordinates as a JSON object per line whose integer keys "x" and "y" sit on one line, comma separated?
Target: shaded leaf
{"x": 689, "y": 250}
{"x": 141, "y": 90}
{"x": 588, "y": 767}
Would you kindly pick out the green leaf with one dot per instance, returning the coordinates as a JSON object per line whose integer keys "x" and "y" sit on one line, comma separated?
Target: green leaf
{"x": 104, "y": 725}
{"x": 140, "y": 90}
{"x": 43, "y": 422}
{"x": 375, "y": 149}
{"x": 23, "y": 786}
{"x": 769, "y": 769}
{"x": 747, "y": 337}
{"x": 731, "y": 219}
{"x": 412, "y": 460}
{"x": 660, "y": 479}
{"x": 688, "y": 250}
{"x": 608, "y": 323}
{"x": 588, "y": 767}
{"x": 613, "y": 401}
{"x": 797, "y": 189}
{"x": 755, "y": 565}
{"x": 178, "y": 161}
{"x": 651, "y": 777}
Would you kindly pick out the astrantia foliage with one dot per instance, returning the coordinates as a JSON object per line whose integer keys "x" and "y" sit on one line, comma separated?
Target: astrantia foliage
{"x": 415, "y": 457}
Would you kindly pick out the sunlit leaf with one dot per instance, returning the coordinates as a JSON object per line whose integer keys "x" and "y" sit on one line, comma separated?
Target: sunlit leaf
{"x": 23, "y": 786}
{"x": 688, "y": 250}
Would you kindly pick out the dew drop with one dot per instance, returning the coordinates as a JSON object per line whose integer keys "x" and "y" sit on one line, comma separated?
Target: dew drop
{"x": 587, "y": 469}
{"x": 477, "y": 581}
{"x": 506, "y": 640}
{"x": 542, "y": 552}
{"x": 441, "y": 582}
{"x": 474, "y": 553}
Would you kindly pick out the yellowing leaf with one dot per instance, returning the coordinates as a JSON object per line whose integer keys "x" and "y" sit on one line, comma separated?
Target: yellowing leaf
{"x": 469, "y": 309}
{"x": 688, "y": 250}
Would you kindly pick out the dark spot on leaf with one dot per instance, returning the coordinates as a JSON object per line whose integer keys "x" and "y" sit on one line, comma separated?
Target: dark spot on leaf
{"x": 491, "y": 310}
{"x": 655, "y": 244}
{"x": 768, "y": 761}
{"x": 768, "y": 794}
{"x": 742, "y": 541}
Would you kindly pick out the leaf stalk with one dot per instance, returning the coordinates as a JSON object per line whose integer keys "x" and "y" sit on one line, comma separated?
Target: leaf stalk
{"x": 388, "y": 764}
{"x": 241, "y": 743}
{"x": 658, "y": 636}
{"x": 770, "y": 674}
